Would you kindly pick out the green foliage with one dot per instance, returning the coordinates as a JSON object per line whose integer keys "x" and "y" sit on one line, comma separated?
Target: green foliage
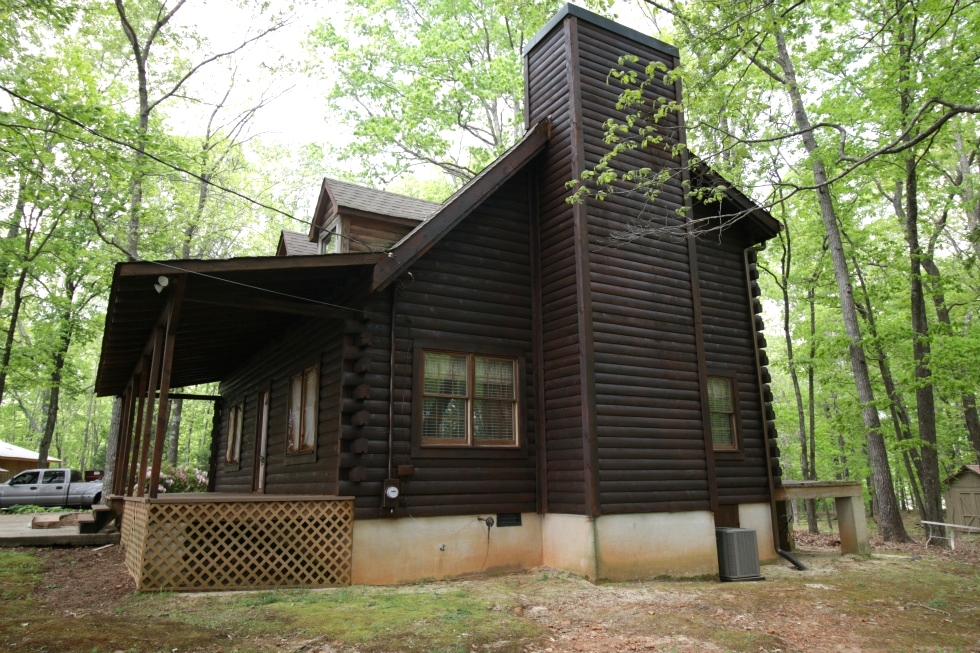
{"x": 435, "y": 83}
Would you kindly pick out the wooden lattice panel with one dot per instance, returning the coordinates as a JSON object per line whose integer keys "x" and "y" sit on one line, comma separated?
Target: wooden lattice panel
{"x": 133, "y": 535}
{"x": 244, "y": 545}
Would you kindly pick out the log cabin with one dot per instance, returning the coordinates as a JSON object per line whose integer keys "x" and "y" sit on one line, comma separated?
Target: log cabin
{"x": 421, "y": 390}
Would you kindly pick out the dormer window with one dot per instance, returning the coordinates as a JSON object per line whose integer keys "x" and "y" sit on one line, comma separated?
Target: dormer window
{"x": 330, "y": 241}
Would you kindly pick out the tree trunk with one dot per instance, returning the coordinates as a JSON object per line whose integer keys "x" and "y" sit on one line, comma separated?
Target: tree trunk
{"x": 12, "y": 329}
{"x": 88, "y": 427}
{"x": 890, "y": 518}
{"x": 173, "y": 430}
{"x": 59, "y": 355}
{"x": 811, "y": 504}
{"x": 112, "y": 448}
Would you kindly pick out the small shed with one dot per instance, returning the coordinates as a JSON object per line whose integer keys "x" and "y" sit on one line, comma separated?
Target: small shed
{"x": 963, "y": 496}
{"x": 14, "y": 460}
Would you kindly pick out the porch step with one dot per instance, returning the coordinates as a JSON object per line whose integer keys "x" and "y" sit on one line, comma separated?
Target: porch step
{"x": 95, "y": 521}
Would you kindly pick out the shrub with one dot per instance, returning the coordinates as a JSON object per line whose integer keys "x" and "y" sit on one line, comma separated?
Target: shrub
{"x": 180, "y": 479}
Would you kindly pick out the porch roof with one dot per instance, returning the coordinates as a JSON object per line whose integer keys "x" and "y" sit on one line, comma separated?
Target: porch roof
{"x": 229, "y": 309}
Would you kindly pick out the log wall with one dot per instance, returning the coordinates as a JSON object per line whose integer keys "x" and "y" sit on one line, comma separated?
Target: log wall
{"x": 472, "y": 289}
{"x": 312, "y": 342}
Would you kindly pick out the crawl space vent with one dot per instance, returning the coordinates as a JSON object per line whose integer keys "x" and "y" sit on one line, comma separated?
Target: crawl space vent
{"x": 508, "y": 519}
{"x": 738, "y": 554}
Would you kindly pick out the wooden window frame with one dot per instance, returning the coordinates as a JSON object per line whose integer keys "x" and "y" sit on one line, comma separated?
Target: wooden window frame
{"x": 299, "y": 454}
{"x": 233, "y": 442}
{"x": 422, "y": 449}
{"x": 735, "y": 449}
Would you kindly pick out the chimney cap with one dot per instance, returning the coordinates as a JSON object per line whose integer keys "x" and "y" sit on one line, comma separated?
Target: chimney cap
{"x": 600, "y": 21}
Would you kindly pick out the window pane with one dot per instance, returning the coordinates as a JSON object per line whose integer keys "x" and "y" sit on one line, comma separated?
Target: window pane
{"x": 722, "y": 433}
{"x": 53, "y": 477}
{"x": 309, "y": 409}
{"x": 493, "y": 420}
{"x": 295, "y": 406}
{"x": 494, "y": 378}
{"x": 719, "y": 395}
{"x": 445, "y": 374}
{"x": 444, "y": 418}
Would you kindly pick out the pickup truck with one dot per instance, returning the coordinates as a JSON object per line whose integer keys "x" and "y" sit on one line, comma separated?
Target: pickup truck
{"x": 50, "y": 487}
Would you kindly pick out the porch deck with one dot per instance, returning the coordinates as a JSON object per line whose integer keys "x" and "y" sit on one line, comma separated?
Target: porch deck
{"x": 210, "y": 541}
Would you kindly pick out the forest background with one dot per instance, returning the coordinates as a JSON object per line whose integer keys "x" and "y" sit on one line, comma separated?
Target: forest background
{"x": 142, "y": 130}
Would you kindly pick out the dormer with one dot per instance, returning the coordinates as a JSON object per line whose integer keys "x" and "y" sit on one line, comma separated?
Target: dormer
{"x": 351, "y": 218}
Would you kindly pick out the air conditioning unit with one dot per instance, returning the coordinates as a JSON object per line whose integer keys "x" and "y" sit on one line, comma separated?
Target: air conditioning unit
{"x": 738, "y": 554}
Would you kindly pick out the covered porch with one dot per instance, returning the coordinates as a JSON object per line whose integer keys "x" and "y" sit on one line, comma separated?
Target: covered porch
{"x": 181, "y": 323}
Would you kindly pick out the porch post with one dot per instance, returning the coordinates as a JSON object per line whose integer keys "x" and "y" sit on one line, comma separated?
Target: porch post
{"x": 131, "y": 454}
{"x": 167, "y": 363}
{"x": 122, "y": 441}
{"x": 152, "y": 383}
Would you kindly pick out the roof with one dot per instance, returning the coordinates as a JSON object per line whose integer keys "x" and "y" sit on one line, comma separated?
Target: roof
{"x": 965, "y": 468}
{"x": 757, "y": 216}
{"x": 421, "y": 239}
{"x": 606, "y": 24}
{"x": 294, "y": 243}
{"x": 8, "y": 450}
{"x": 230, "y": 309}
{"x": 373, "y": 200}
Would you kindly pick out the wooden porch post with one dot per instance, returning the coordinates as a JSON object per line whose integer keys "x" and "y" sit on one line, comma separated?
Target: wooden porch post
{"x": 153, "y": 382}
{"x": 132, "y": 454}
{"x": 118, "y": 482}
{"x": 167, "y": 363}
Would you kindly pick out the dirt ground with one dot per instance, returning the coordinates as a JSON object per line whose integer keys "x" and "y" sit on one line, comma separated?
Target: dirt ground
{"x": 902, "y": 598}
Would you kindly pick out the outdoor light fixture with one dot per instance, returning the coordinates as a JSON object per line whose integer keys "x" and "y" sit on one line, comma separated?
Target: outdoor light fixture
{"x": 162, "y": 282}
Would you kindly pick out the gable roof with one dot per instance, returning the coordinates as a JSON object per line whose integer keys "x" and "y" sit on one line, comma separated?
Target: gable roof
{"x": 294, "y": 243}
{"x": 372, "y": 200}
{"x": 340, "y": 195}
{"x": 421, "y": 239}
{"x": 965, "y": 468}
{"x": 8, "y": 450}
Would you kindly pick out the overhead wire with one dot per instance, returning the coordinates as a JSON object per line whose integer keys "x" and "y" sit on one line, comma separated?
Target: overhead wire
{"x": 172, "y": 166}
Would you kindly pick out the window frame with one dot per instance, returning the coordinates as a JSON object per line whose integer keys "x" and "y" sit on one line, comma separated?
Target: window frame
{"x": 299, "y": 454}
{"x": 424, "y": 449}
{"x": 233, "y": 442}
{"x": 735, "y": 449}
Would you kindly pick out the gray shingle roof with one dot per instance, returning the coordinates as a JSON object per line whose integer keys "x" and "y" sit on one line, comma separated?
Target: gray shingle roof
{"x": 363, "y": 198}
{"x": 297, "y": 244}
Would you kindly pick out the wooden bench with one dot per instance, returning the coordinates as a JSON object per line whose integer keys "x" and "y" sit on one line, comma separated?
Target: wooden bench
{"x": 933, "y": 526}
{"x": 849, "y": 500}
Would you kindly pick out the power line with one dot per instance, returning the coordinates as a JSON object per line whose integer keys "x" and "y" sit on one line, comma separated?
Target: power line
{"x": 172, "y": 166}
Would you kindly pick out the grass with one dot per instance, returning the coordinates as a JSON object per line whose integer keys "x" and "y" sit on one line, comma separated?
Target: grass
{"x": 894, "y": 603}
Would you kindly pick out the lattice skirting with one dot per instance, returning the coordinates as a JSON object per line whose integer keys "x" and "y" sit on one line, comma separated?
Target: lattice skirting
{"x": 238, "y": 545}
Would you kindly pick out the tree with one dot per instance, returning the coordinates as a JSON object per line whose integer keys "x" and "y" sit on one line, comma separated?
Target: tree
{"x": 433, "y": 83}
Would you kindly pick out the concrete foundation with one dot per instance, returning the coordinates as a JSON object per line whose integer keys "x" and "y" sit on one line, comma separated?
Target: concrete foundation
{"x": 758, "y": 516}
{"x": 613, "y": 547}
{"x": 388, "y": 551}
{"x": 656, "y": 544}
{"x": 568, "y": 542}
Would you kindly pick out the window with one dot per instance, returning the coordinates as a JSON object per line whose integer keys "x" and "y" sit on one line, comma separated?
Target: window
{"x": 301, "y": 427}
{"x": 27, "y": 478}
{"x": 52, "y": 477}
{"x": 721, "y": 404}
{"x": 234, "y": 441}
{"x": 330, "y": 238}
{"x": 469, "y": 400}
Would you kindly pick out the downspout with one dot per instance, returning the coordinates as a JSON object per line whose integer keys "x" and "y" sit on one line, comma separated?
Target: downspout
{"x": 762, "y": 405}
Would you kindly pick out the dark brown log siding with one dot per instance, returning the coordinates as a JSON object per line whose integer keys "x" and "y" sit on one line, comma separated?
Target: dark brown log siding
{"x": 313, "y": 342}
{"x": 648, "y": 404}
{"x": 550, "y": 96}
{"x": 728, "y": 334}
{"x": 473, "y": 287}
